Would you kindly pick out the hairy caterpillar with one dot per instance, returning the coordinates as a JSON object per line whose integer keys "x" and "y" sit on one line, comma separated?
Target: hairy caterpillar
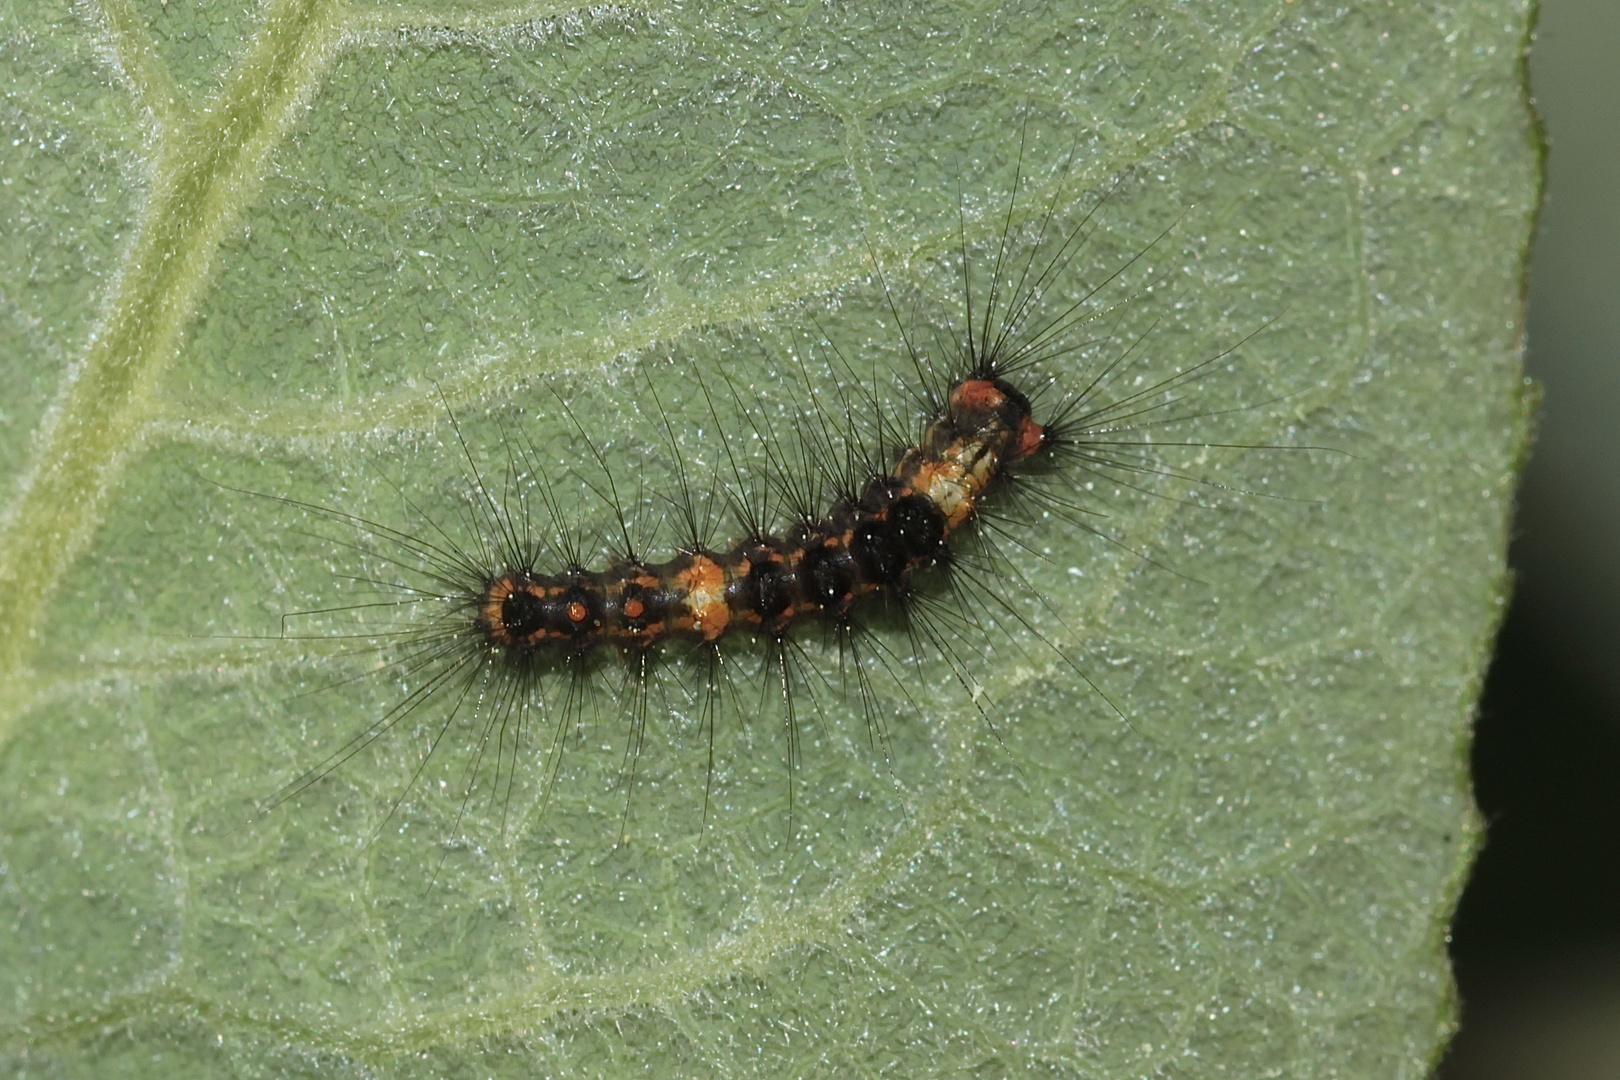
{"x": 513, "y": 616}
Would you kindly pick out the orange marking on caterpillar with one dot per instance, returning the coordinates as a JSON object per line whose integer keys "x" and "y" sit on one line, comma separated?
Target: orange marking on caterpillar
{"x": 978, "y": 394}
{"x": 1031, "y": 438}
{"x": 704, "y": 582}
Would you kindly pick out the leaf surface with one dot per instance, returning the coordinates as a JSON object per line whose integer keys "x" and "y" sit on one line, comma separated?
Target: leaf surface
{"x": 275, "y": 248}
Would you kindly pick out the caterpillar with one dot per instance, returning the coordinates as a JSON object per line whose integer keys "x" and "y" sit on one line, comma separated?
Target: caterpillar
{"x": 509, "y": 623}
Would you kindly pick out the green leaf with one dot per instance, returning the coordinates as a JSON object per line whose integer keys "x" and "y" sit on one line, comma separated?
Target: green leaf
{"x": 264, "y": 248}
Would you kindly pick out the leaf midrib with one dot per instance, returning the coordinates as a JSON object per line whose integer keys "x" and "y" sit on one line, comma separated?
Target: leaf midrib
{"x": 204, "y": 169}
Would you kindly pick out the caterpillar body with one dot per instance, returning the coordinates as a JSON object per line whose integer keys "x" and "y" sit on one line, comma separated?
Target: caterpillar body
{"x": 869, "y": 544}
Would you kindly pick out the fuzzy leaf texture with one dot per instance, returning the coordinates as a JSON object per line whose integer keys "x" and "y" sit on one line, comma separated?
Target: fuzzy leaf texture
{"x": 273, "y": 247}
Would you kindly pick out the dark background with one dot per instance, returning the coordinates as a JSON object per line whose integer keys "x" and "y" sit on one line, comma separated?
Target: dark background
{"x": 1536, "y": 943}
